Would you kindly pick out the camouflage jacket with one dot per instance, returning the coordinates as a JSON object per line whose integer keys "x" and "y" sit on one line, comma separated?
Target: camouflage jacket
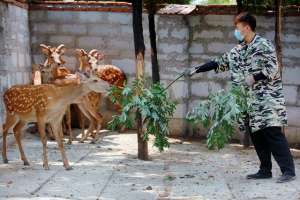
{"x": 248, "y": 59}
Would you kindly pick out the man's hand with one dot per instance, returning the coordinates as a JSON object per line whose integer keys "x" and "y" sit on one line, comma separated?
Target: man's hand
{"x": 250, "y": 80}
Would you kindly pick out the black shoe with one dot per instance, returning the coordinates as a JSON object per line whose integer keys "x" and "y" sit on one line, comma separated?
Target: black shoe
{"x": 285, "y": 178}
{"x": 259, "y": 175}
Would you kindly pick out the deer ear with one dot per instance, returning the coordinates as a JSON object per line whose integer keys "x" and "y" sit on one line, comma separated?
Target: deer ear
{"x": 61, "y": 49}
{"x": 80, "y": 52}
{"x": 45, "y": 49}
{"x": 100, "y": 56}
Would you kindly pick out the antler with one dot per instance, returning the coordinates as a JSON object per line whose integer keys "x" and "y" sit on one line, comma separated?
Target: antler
{"x": 96, "y": 54}
{"x": 59, "y": 48}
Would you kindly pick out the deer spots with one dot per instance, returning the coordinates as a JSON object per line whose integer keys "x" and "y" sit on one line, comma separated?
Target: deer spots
{"x": 22, "y": 99}
{"x": 111, "y": 74}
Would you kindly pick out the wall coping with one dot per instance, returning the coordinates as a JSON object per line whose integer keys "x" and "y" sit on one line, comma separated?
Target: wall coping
{"x": 109, "y": 6}
{"x": 19, "y": 3}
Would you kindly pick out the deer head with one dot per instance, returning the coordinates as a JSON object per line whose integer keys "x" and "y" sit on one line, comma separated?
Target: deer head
{"x": 92, "y": 82}
{"x": 52, "y": 67}
{"x": 53, "y": 54}
{"x": 88, "y": 61}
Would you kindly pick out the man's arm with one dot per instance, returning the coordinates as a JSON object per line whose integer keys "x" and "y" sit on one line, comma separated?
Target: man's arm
{"x": 265, "y": 59}
{"x": 220, "y": 64}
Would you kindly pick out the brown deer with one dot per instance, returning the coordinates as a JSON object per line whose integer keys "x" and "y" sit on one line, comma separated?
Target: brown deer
{"x": 46, "y": 103}
{"x": 109, "y": 73}
{"x": 52, "y": 72}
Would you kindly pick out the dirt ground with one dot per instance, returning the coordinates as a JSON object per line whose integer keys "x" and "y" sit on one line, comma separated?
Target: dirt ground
{"x": 110, "y": 170}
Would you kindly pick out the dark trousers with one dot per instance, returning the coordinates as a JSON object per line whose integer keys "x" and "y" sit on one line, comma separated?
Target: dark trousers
{"x": 269, "y": 141}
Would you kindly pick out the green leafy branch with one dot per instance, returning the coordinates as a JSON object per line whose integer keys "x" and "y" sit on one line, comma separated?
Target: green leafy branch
{"x": 153, "y": 104}
{"x": 220, "y": 113}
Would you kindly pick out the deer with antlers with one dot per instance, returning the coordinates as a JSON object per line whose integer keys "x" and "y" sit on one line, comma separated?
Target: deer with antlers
{"x": 46, "y": 103}
{"x": 50, "y": 71}
{"x": 109, "y": 73}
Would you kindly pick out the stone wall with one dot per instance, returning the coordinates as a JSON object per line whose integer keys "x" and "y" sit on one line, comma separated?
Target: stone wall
{"x": 15, "y": 62}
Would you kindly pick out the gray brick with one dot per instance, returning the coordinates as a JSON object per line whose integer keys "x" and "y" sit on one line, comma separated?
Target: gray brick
{"x": 218, "y": 47}
{"x": 127, "y": 65}
{"x": 104, "y": 30}
{"x": 291, "y": 75}
{"x": 120, "y": 44}
{"x": 208, "y": 34}
{"x": 180, "y": 111}
{"x": 200, "y": 89}
{"x": 196, "y": 48}
{"x": 44, "y": 28}
{"x": 37, "y": 15}
{"x": 293, "y": 115}
{"x": 179, "y": 90}
{"x": 181, "y": 33}
{"x": 162, "y": 33}
{"x": 74, "y": 29}
{"x": 291, "y": 38}
{"x": 291, "y": 52}
{"x": 126, "y": 29}
{"x": 169, "y": 48}
{"x": 219, "y": 20}
{"x": 92, "y": 17}
{"x": 290, "y": 93}
{"x": 90, "y": 42}
{"x": 120, "y": 18}
{"x": 61, "y": 16}
{"x": 68, "y": 41}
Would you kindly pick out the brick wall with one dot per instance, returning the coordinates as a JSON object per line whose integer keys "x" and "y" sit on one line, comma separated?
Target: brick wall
{"x": 15, "y": 62}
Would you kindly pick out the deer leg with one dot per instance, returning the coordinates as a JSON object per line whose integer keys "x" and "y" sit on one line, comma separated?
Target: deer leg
{"x": 50, "y": 131}
{"x": 17, "y": 132}
{"x": 58, "y": 136}
{"x": 97, "y": 124}
{"x": 9, "y": 122}
{"x": 68, "y": 123}
{"x": 90, "y": 118}
{"x": 41, "y": 126}
{"x": 82, "y": 123}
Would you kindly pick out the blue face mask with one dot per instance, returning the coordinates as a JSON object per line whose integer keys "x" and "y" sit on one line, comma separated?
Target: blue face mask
{"x": 238, "y": 35}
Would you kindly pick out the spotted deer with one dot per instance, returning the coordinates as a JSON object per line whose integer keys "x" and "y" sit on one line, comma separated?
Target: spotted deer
{"x": 109, "y": 73}
{"x": 52, "y": 69}
{"x": 46, "y": 103}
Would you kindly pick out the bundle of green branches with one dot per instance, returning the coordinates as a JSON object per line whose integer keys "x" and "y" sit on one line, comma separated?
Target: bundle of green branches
{"x": 220, "y": 113}
{"x": 152, "y": 103}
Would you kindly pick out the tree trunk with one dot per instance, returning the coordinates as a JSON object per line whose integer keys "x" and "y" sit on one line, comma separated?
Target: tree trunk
{"x": 152, "y": 34}
{"x": 137, "y": 9}
{"x": 239, "y": 5}
{"x": 278, "y": 34}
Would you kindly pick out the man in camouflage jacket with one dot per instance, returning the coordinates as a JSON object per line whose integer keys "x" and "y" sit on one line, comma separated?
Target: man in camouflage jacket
{"x": 253, "y": 62}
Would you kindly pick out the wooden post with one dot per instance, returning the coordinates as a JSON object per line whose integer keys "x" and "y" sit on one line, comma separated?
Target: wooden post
{"x": 152, "y": 34}
{"x": 137, "y": 9}
{"x": 278, "y": 34}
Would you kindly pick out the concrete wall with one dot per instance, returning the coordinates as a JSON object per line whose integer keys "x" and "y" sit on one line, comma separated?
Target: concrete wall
{"x": 15, "y": 62}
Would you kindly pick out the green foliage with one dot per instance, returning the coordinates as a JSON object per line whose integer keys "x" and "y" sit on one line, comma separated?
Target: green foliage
{"x": 153, "y": 104}
{"x": 220, "y": 114}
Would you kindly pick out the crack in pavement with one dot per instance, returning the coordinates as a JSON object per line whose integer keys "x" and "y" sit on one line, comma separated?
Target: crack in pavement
{"x": 59, "y": 170}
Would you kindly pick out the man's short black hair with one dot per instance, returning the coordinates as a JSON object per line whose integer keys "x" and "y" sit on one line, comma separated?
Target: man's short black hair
{"x": 246, "y": 18}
